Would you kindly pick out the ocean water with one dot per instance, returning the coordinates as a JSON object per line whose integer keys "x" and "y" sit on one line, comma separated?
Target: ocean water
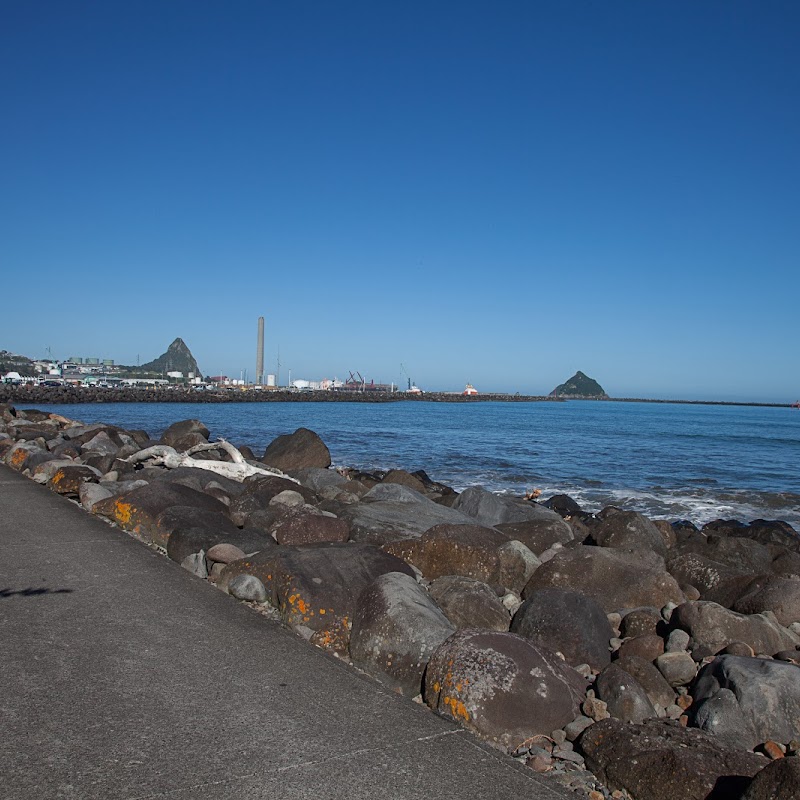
{"x": 668, "y": 461}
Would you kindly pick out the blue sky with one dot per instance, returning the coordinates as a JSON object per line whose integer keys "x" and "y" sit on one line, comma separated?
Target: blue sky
{"x": 500, "y": 193}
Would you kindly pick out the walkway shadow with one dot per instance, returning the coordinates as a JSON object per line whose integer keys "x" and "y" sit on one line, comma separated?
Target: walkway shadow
{"x": 32, "y": 592}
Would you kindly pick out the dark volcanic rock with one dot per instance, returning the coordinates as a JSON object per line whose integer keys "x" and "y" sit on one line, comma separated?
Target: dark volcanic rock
{"x": 624, "y": 697}
{"x": 767, "y": 694}
{"x": 567, "y": 622}
{"x": 69, "y": 479}
{"x": 298, "y": 526}
{"x": 779, "y": 780}
{"x": 298, "y": 450}
{"x": 469, "y": 550}
{"x": 501, "y": 686}
{"x": 649, "y": 678}
{"x": 396, "y": 628}
{"x": 469, "y": 603}
{"x": 777, "y": 594}
{"x": 537, "y": 534}
{"x": 257, "y": 494}
{"x": 660, "y": 760}
{"x": 317, "y": 586}
{"x": 138, "y": 511}
{"x": 629, "y": 530}
{"x": 616, "y": 579}
{"x": 185, "y": 434}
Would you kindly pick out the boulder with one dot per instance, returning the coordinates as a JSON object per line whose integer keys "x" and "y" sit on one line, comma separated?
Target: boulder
{"x": 629, "y": 530}
{"x": 658, "y": 691}
{"x": 648, "y": 646}
{"x": 493, "y": 509}
{"x": 566, "y": 622}
{"x": 469, "y": 603}
{"x": 641, "y": 622}
{"x": 502, "y": 686}
{"x": 185, "y": 434}
{"x": 91, "y": 493}
{"x": 766, "y": 692}
{"x": 18, "y": 454}
{"x": 403, "y": 478}
{"x": 396, "y": 628}
{"x": 660, "y": 760}
{"x": 715, "y": 581}
{"x": 248, "y": 588}
{"x": 258, "y": 493}
{"x": 298, "y": 450}
{"x": 774, "y": 593}
{"x": 191, "y": 534}
{"x": 390, "y": 512}
{"x": 317, "y": 478}
{"x": 68, "y": 480}
{"x": 615, "y": 578}
{"x": 624, "y": 697}
{"x": 779, "y": 780}
{"x": 678, "y": 668}
{"x": 712, "y": 627}
{"x": 138, "y": 510}
{"x": 306, "y": 525}
{"x": 538, "y": 535}
{"x": 317, "y": 586}
{"x": 469, "y": 550}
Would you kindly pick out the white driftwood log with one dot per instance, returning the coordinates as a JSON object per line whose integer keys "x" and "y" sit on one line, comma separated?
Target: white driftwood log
{"x": 164, "y": 455}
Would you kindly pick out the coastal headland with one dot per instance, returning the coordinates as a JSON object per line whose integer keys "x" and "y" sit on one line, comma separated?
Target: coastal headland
{"x": 592, "y": 649}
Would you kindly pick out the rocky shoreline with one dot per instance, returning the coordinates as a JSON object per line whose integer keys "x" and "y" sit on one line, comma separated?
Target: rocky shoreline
{"x": 619, "y": 656}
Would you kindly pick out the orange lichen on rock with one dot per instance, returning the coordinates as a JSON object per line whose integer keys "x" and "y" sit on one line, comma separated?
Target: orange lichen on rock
{"x": 18, "y": 457}
{"x": 122, "y": 511}
{"x": 456, "y": 708}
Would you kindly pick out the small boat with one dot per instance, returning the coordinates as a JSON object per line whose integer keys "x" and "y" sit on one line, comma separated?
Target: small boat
{"x": 470, "y": 390}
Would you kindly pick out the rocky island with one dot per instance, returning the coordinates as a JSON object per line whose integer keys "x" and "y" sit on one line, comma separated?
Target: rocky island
{"x": 580, "y": 387}
{"x": 621, "y": 656}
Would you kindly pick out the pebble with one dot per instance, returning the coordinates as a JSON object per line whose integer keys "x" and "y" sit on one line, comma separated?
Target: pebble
{"x": 568, "y": 755}
{"x": 684, "y": 701}
{"x": 585, "y": 670}
{"x": 224, "y": 553}
{"x": 674, "y": 711}
{"x": 614, "y": 644}
{"x": 540, "y": 763}
{"x": 666, "y": 612}
{"x": 596, "y": 709}
{"x": 678, "y": 668}
{"x": 773, "y": 750}
{"x": 558, "y": 737}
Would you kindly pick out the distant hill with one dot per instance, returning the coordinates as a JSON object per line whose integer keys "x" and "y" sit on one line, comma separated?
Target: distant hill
{"x": 579, "y": 385}
{"x": 178, "y": 358}
{"x": 10, "y": 362}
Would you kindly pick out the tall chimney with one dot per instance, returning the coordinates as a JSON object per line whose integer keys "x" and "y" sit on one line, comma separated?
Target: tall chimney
{"x": 260, "y": 353}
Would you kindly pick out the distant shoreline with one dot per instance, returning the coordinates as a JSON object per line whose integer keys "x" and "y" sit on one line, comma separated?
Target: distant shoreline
{"x": 70, "y": 395}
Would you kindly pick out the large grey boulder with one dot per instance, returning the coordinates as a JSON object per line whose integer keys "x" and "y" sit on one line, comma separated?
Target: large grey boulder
{"x": 493, "y": 509}
{"x": 317, "y": 478}
{"x": 717, "y": 582}
{"x": 566, "y": 622}
{"x": 396, "y": 628}
{"x": 712, "y": 627}
{"x": 766, "y": 693}
{"x": 615, "y": 578}
{"x": 649, "y": 678}
{"x": 502, "y": 686}
{"x": 391, "y": 512}
{"x": 538, "y": 535}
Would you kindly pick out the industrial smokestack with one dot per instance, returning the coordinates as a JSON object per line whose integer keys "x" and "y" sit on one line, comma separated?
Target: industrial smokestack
{"x": 260, "y": 353}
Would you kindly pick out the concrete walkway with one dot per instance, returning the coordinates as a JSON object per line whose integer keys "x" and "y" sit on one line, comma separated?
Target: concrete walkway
{"x": 122, "y": 676}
